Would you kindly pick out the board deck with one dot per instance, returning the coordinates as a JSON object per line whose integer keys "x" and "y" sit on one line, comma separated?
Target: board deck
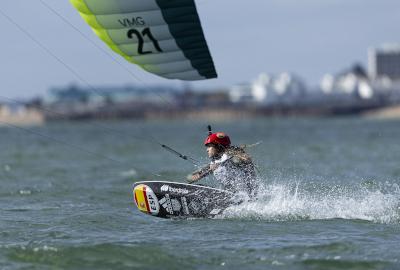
{"x": 170, "y": 199}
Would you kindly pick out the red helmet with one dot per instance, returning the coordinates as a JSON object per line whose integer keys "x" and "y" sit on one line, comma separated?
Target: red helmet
{"x": 218, "y": 138}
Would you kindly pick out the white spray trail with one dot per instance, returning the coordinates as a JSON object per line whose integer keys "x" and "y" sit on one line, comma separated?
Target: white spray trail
{"x": 296, "y": 201}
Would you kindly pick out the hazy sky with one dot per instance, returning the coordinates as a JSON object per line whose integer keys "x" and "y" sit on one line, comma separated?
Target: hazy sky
{"x": 309, "y": 38}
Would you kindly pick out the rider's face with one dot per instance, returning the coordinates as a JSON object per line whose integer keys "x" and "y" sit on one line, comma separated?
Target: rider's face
{"x": 212, "y": 151}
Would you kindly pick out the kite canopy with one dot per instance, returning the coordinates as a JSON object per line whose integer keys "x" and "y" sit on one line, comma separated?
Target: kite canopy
{"x": 164, "y": 37}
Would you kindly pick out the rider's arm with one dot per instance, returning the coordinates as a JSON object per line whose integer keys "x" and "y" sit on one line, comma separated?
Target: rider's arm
{"x": 199, "y": 174}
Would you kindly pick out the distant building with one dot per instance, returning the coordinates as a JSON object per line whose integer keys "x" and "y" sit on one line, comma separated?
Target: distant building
{"x": 352, "y": 82}
{"x": 100, "y": 96}
{"x": 266, "y": 89}
{"x": 384, "y": 62}
{"x": 284, "y": 88}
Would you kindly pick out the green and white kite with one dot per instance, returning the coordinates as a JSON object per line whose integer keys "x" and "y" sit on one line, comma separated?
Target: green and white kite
{"x": 164, "y": 37}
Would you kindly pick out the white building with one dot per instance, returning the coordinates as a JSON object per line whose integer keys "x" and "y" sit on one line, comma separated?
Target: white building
{"x": 267, "y": 89}
{"x": 353, "y": 82}
{"x": 283, "y": 88}
{"x": 347, "y": 84}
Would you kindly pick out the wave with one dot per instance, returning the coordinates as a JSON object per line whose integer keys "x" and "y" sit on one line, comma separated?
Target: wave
{"x": 98, "y": 256}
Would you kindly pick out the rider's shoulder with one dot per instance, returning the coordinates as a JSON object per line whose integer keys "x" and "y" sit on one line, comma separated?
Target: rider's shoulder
{"x": 238, "y": 155}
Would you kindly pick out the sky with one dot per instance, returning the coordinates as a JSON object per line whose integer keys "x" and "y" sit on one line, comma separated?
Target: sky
{"x": 39, "y": 50}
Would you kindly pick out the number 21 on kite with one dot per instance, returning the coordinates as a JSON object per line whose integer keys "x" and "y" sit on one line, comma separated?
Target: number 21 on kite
{"x": 140, "y": 37}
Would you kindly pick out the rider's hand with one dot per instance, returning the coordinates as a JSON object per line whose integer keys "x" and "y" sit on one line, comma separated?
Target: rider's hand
{"x": 193, "y": 177}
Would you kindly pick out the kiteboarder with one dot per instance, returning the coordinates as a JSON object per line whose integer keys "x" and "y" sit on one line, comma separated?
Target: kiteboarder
{"x": 230, "y": 165}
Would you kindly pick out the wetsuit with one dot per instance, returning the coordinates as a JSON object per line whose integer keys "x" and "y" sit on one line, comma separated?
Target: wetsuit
{"x": 236, "y": 171}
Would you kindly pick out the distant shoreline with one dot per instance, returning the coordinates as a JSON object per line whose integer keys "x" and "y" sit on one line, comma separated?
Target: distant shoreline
{"x": 40, "y": 115}
{"x": 208, "y": 112}
{"x": 391, "y": 112}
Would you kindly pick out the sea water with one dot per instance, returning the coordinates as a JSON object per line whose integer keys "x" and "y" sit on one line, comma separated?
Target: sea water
{"x": 329, "y": 196}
